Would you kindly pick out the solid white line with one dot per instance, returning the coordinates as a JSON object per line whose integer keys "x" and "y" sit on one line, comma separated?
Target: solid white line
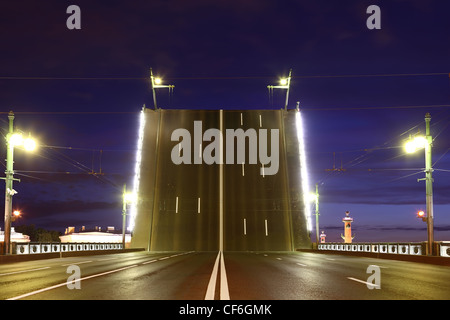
{"x": 301, "y": 264}
{"x": 29, "y": 270}
{"x": 65, "y": 283}
{"x": 361, "y": 281}
{"x": 212, "y": 280}
{"x": 224, "y": 293}
{"x": 149, "y": 261}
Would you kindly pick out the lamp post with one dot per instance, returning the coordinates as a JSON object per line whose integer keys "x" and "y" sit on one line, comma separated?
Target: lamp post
{"x": 12, "y": 139}
{"x": 411, "y": 146}
{"x": 285, "y": 83}
{"x": 156, "y": 83}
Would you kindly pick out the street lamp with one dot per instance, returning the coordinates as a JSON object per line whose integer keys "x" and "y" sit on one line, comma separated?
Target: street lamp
{"x": 285, "y": 83}
{"x": 15, "y": 215}
{"x": 13, "y": 139}
{"x": 421, "y": 215}
{"x": 421, "y": 142}
{"x": 157, "y": 83}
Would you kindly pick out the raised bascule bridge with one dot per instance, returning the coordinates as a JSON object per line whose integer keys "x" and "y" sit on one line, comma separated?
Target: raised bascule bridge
{"x": 225, "y": 180}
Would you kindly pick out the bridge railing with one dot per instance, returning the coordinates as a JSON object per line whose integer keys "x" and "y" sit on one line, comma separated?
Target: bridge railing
{"x": 406, "y": 248}
{"x": 55, "y": 247}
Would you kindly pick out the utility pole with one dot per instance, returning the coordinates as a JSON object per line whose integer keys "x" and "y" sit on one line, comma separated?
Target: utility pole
{"x": 429, "y": 184}
{"x": 12, "y": 139}
{"x": 411, "y": 146}
{"x": 9, "y": 192}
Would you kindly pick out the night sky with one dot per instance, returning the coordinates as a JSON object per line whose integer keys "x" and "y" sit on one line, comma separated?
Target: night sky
{"x": 361, "y": 91}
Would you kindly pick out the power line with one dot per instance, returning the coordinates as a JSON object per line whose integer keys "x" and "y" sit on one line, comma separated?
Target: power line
{"x": 230, "y": 77}
{"x": 374, "y": 108}
{"x": 303, "y": 109}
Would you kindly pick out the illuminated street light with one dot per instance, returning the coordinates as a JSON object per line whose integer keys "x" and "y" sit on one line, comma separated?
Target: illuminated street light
{"x": 29, "y": 144}
{"x": 157, "y": 83}
{"x": 16, "y": 214}
{"x": 285, "y": 83}
{"x": 414, "y": 144}
{"x": 421, "y": 215}
{"x": 13, "y": 139}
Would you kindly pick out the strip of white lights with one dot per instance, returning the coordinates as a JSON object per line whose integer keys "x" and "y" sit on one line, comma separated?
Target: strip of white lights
{"x": 303, "y": 168}
{"x": 137, "y": 172}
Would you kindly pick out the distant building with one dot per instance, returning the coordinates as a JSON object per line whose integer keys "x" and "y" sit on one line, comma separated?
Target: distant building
{"x": 94, "y": 236}
{"x": 15, "y": 236}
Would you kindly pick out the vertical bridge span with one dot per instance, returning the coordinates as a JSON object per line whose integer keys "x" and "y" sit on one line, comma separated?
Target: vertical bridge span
{"x": 220, "y": 180}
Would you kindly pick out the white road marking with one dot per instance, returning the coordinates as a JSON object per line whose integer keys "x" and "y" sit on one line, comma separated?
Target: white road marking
{"x": 301, "y": 264}
{"x": 164, "y": 258}
{"x": 29, "y": 270}
{"x": 65, "y": 283}
{"x": 212, "y": 280}
{"x": 210, "y": 291}
{"x": 365, "y": 282}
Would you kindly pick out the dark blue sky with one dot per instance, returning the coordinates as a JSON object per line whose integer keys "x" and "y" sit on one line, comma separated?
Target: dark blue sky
{"x": 80, "y": 91}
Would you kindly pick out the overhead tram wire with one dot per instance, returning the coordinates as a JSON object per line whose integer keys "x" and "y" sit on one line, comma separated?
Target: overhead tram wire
{"x": 131, "y": 78}
{"x": 366, "y": 156}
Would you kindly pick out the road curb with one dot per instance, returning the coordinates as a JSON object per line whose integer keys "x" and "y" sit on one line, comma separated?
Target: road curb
{"x": 443, "y": 261}
{"x": 4, "y": 259}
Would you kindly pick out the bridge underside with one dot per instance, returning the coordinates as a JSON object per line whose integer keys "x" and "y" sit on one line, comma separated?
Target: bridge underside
{"x": 229, "y": 206}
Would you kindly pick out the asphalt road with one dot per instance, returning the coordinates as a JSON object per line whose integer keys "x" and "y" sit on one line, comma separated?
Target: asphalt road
{"x": 231, "y": 275}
